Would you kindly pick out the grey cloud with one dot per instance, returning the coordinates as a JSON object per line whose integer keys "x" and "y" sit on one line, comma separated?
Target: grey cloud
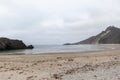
{"x": 52, "y": 21}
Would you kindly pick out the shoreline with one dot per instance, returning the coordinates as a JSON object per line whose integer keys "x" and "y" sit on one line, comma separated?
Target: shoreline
{"x": 101, "y": 47}
{"x": 57, "y": 53}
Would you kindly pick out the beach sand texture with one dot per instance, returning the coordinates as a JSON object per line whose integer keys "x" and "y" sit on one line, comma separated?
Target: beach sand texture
{"x": 101, "y": 65}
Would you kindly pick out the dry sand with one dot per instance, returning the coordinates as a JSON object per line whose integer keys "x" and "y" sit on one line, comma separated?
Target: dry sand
{"x": 101, "y": 65}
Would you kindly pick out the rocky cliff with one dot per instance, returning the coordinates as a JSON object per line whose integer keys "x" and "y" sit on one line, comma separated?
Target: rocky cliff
{"x": 110, "y": 36}
{"x": 9, "y": 44}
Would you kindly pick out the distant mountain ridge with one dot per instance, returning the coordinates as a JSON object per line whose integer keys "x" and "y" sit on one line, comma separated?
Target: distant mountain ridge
{"x": 110, "y": 36}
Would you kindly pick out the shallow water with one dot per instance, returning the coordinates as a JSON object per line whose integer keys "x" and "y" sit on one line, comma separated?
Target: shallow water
{"x": 62, "y": 48}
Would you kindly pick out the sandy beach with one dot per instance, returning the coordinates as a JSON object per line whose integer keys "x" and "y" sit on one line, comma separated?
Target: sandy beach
{"x": 99, "y": 65}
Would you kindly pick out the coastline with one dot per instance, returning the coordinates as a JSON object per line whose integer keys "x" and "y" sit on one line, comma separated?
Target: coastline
{"x": 56, "y": 49}
{"x": 57, "y": 53}
{"x": 95, "y": 65}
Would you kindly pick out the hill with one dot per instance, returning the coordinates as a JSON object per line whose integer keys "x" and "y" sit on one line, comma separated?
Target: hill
{"x": 110, "y": 36}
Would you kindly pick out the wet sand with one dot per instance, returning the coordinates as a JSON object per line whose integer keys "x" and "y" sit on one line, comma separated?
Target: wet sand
{"x": 99, "y": 65}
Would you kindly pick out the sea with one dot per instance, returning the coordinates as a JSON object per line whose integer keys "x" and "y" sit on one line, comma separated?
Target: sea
{"x": 43, "y": 49}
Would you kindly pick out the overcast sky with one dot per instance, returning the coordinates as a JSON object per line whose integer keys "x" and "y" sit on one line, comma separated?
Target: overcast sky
{"x": 56, "y": 21}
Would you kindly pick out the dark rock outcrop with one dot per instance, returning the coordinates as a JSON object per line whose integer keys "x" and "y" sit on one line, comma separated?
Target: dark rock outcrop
{"x": 110, "y": 36}
{"x": 10, "y": 44}
{"x": 30, "y": 47}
